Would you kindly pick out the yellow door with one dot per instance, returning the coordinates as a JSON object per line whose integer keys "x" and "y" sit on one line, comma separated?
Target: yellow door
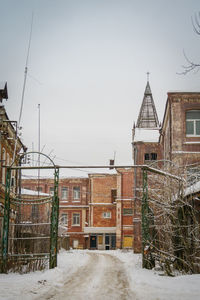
{"x": 128, "y": 242}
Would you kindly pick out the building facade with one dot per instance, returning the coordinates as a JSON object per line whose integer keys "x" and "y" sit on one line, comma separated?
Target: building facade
{"x": 73, "y": 206}
{"x": 10, "y": 147}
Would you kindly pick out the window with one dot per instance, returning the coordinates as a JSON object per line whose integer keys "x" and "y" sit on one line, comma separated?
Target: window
{"x": 39, "y": 188}
{"x": 64, "y": 192}
{"x": 76, "y": 192}
{"x": 64, "y": 219}
{"x": 193, "y": 123}
{"x": 127, "y": 211}
{"x": 106, "y": 215}
{"x": 51, "y": 190}
{"x": 150, "y": 156}
{"x": 153, "y": 156}
{"x": 76, "y": 219}
{"x": 113, "y": 195}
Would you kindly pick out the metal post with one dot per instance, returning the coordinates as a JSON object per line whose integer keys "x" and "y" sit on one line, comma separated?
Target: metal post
{"x": 6, "y": 222}
{"x": 145, "y": 223}
{"x": 54, "y": 223}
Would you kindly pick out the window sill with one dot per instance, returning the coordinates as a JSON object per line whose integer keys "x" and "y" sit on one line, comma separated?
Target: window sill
{"x": 191, "y": 142}
{"x": 76, "y": 225}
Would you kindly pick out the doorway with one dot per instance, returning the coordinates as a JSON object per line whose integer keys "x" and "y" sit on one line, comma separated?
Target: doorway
{"x": 93, "y": 241}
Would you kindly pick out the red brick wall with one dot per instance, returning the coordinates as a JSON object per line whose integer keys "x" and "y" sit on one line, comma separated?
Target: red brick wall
{"x": 99, "y": 221}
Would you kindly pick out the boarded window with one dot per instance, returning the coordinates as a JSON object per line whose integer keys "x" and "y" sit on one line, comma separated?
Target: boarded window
{"x": 128, "y": 242}
{"x": 100, "y": 239}
{"x": 75, "y": 244}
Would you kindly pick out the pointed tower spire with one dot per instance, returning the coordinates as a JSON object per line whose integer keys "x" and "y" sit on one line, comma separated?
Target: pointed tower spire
{"x": 148, "y": 117}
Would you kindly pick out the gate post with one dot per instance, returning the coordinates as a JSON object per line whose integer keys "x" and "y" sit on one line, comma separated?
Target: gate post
{"x": 145, "y": 223}
{"x": 6, "y": 219}
{"x": 54, "y": 223}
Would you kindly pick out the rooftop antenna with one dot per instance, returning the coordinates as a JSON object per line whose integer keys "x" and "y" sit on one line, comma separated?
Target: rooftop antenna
{"x": 112, "y": 161}
{"x": 148, "y": 76}
{"x": 24, "y": 84}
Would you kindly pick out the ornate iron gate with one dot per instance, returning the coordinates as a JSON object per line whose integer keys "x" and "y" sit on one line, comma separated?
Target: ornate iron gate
{"x": 30, "y": 226}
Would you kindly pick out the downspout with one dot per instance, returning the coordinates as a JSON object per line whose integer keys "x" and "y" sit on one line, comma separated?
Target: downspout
{"x": 122, "y": 211}
{"x": 135, "y": 193}
{"x": 170, "y": 126}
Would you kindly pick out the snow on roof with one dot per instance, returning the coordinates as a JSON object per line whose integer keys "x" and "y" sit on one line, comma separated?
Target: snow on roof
{"x": 195, "y": 188}
{"x": 146, "y": 135}
{"x": 33, "y": 193}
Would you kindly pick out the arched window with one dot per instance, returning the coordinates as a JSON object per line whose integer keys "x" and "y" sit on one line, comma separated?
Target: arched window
{"x": 193, "y": 123}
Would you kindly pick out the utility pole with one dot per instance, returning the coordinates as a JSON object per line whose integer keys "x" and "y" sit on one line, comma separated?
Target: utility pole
{"x": 38, "y": 149}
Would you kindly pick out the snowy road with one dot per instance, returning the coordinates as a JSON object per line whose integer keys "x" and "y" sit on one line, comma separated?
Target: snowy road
{"x": 103, "y": 277}
{"x": 86, "y": 275}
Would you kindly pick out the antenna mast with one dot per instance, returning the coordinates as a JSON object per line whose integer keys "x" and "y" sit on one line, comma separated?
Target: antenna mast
{"x": 24, "y": 85}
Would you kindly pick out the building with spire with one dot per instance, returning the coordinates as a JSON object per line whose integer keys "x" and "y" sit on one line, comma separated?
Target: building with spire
{"x": 146, "y": 150}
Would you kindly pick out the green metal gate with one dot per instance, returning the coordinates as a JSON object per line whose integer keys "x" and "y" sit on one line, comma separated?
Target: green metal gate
{"x": 30, "y": 226}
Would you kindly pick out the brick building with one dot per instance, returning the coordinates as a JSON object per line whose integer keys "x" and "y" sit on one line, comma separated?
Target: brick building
{"x": 73, "y": 202}
{"x": 180, "y": 132}
{"x": 146, "y": 150}
{"x": 8, "y": 141}
{"x": 177, "y": 141}
{"x": 124, "y": 208}
{"x": 102, "y": 212}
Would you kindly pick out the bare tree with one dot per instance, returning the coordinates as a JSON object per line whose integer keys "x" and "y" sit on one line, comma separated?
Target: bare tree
{"x": 191, "y": 65}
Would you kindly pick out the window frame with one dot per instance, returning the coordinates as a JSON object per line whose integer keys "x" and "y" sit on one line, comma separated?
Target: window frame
{"x": 194, "y": 123}
{"x": 76, "y": 216}
{"x": 106, "y": 215}
{"x": 76, "y": 192}
{"x": 51, "y": 190}
{"x": 65, "y": 217}
{"x": 67, "y": 193}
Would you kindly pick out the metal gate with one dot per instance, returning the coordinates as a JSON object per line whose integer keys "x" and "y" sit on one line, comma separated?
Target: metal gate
{"x": 30, "y": 226}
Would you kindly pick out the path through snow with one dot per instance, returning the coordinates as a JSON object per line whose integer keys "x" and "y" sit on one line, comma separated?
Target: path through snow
{"x": 109, "y": 275}
{"x": 103, "y": 277}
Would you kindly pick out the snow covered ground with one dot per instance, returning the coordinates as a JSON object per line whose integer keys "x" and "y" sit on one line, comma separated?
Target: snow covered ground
{"x": 84, "y": 274}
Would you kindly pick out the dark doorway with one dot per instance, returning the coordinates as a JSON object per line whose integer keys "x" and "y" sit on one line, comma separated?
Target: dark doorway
{"x": 107, "y": 242}
{"x": 113, "y": 241}
{"x": 93, "y": 241}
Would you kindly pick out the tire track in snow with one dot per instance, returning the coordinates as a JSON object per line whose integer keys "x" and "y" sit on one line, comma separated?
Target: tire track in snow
{"x": 103, "y": 278}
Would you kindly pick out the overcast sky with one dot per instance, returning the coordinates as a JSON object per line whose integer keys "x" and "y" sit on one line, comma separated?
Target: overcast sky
{"x": 87, "y": 69}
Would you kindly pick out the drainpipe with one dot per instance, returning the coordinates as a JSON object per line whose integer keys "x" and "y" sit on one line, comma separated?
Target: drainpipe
{"x": 170, "y": 126}
{"x": 135, "y": 192}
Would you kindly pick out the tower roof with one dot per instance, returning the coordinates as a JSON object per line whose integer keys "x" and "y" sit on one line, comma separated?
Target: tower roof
{"x": 148, "y": 117}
